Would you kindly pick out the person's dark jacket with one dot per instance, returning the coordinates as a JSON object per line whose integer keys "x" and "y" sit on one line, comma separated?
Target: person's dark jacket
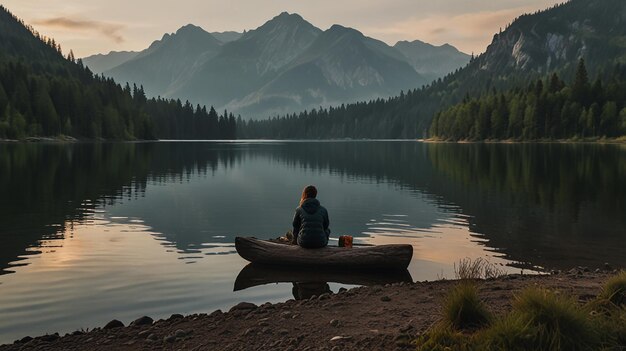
{"x": 310, "y": 224}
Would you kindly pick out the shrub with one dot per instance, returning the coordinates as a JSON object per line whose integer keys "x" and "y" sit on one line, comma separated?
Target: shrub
{"x": 477, "y": 269}
{"x": 443, "y": 338}
{"x": 544, "y": 320}
{"x": 463, "y": 309}
{"x": 614, "y": 289}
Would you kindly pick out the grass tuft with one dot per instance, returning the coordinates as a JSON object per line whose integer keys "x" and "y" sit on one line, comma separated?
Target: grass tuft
{"x": 540, "y": 319}
{"x": 614, "y": 289}
{"x": 443, "y": 338}
{"x": 463, "y": 309}
{"x": 480, "y": 268}
{"x": 553, "y": 322}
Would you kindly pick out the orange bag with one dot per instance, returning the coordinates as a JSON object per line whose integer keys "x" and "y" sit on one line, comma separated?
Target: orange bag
{"x": 345, "y": 241}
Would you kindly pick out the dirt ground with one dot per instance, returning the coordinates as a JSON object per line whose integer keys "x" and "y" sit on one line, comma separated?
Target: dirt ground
{"x": 362, "y": 318}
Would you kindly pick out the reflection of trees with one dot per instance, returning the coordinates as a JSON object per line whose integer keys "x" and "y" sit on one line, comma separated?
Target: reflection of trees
{"x": 553, "y": 205}
{"x": 541, "y": 203}
{"x": 44, "y": 187}
{"x": 547, "y": 204}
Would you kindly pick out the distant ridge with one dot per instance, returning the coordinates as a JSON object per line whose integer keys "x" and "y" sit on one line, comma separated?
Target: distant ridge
{"x": 285, "y": 65}
{"x": 531, "y": 47}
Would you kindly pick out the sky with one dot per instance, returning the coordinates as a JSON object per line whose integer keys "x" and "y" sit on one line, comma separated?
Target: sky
{"x": 89, "y": 26}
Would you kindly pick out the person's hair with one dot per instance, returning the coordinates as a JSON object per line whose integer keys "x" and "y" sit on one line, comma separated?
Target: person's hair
{"x": 309, "y": 192}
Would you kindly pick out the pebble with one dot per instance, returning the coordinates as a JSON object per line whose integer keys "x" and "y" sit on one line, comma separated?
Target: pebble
{"x": 341, "y": 290}
{"x": 263, "y": 324}
{"x": 152, "y": 337}
{"x": 286, "y": 314}
{"x": 334, "y": 323}
{"x": 249, "y": 331}
{"x": 145, "y": 320}
{"x": 325, "y": 296}
{"x": 243, "y": 306}
{"x": 385, "y": 299}
{"x": 339, "y": 338}
{"x": 50, "y": 337}
{"x": 176, "y": 316}
{"x": 216, "y": 313}
{"x": 169, "y": 338}
{"x": 283, "y": 332}
{"x": 25, "y": 339}
{"x": 143, "y": 333}
{"x": 179, "y": 333}
{"x": 113, "y": 324}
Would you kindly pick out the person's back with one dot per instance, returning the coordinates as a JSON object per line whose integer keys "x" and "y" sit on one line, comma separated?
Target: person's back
{"x": 310, "y": 222}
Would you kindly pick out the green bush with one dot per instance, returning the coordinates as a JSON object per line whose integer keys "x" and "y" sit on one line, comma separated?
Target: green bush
{"x": 614, "y": 289}
{"x": 443, "y": 338}
{"x": 463, "y": 309}
{"x": 544, "y": 320}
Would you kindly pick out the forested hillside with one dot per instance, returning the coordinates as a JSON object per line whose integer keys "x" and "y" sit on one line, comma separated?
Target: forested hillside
{"x": 43, "y": 93}
{"x": 531, "y": 47}
{"x": 546, "y": 109}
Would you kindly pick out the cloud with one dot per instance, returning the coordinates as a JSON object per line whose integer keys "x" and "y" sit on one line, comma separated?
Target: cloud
{"x": 470, "y": 32}
{"x": 109, "y": 30}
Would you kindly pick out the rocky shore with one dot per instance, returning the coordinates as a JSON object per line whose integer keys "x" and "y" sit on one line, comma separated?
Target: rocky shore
{"x": 363, "y": 318}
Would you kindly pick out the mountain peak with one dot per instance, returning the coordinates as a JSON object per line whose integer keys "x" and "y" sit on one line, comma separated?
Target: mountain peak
{"x": 190, "y": 28}
{"x": 339, "y": 30}
{"x": 288, "y": 16}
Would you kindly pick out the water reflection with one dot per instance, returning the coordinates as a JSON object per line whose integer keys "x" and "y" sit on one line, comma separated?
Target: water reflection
{"x": 547, "y": 205}
{"x": 255, "y": 275}
{"x": 101, "y": 231}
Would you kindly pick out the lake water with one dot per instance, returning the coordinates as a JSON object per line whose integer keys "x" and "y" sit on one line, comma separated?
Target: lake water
{"x": 93, "y": 232}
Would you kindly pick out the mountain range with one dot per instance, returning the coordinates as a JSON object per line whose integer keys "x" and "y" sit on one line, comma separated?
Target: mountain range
{"x": 531, "y": 47}
{"x": 285, "y": 65}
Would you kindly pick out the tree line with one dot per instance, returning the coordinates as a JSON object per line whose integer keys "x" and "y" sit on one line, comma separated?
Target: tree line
{"x": 43, "y": 93}
{"x": 546, "y": 109}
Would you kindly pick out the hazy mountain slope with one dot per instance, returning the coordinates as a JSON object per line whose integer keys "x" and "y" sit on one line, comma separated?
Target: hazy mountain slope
{"x": 273, "y": 69}
{"x": 531, "y": 46}
{"x": 558, "y": 37}
{"x": 226, "y": 37}
{"x": 168, "y": 62}
{"x": 431, "y": 61}
{"x": 246, "y": 64}
{"x": 342, "y": 65}
{"x": 100, "y": 63}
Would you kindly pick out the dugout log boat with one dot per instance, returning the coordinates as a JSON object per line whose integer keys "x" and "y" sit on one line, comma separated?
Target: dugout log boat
{"x": 380, "y": 257}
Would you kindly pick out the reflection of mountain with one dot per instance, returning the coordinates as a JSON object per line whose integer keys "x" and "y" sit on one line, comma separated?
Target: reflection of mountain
{"x": 551, "y": 205}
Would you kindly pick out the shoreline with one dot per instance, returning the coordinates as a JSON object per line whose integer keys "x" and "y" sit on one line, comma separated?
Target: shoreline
{"x": 375, "y": 317}
{"x": 601, "y": 141}
{"x": 68, "y": 139}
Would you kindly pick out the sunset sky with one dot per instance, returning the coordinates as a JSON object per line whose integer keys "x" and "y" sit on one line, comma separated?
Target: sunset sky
{"x": 96, "y": 26}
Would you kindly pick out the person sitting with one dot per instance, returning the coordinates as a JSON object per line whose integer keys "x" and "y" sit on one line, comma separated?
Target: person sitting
{"x": 310, "y": 222}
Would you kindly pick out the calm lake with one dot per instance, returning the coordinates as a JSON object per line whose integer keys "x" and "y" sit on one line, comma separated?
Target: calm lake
{"x": 93, "y": 232}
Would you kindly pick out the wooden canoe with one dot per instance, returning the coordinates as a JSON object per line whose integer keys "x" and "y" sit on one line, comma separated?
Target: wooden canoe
{"x": 382, "y": 257}
{"x": 255, "y": 274}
